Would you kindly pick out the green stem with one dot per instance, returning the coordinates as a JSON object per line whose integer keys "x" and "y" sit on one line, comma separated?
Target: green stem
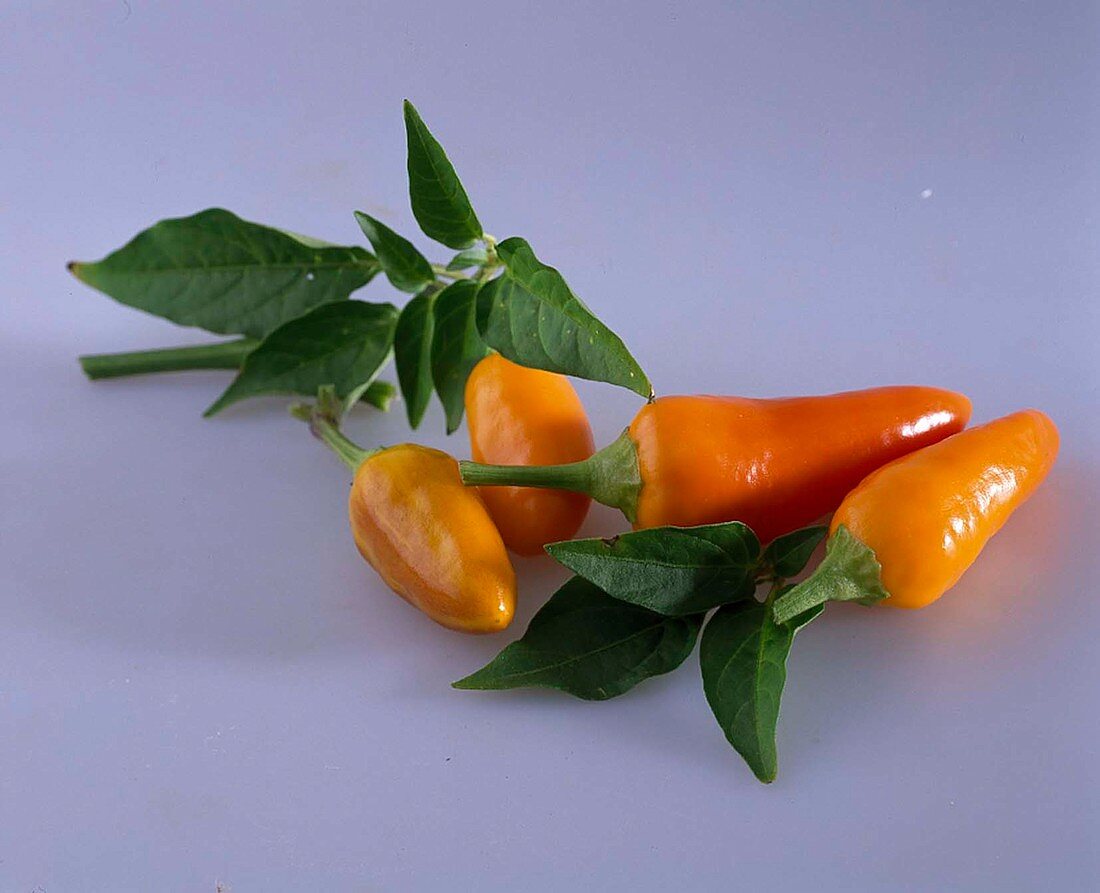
{"x": 610, "y": 476}
{"x": 224, "y": 355}
{"x": 441, "y": 271}
{"x": 326, "y": 430}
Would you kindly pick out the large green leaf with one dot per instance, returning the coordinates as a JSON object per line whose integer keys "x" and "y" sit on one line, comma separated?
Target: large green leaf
{"x": 456, "y": 347}
{"x": 439, "y": 202}
{"x": 743, "y": 656}
{"x": 343, "y": 344}
{"x": 412, "y": 353}
{"x": 227, "y": 275}
{"x": 405, "y": 267}
{"x": 533, "y": 318}
{"x": 590, "y": 645}
{"x": 671, "y": 570}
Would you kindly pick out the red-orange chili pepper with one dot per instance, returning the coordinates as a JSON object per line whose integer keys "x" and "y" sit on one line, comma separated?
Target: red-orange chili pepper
{"x": 521, "y": 416}
{"x": 925, "y": 518}
{"x": 776, "y": 464}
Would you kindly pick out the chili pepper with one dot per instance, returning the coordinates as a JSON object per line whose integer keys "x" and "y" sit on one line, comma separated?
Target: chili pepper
{"x": 922, "y": 520}
{"x": 524, "y": 416}
{"x": 775, "y": 464}
{"x": 429, "y": 537}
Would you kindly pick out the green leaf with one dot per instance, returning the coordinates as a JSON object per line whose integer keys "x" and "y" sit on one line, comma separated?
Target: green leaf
{"x": 533, "y": 318}
{"x": 587, "y": 644}
{"x": 456, "y": 347}
{"x": 227, "y": 275}
{"x": 405, "y": 267}
{"x": 787, "y": 555}
{"x": 380, "y": 395}
{"x": 439, "y": 202}
{"x": 343, "y": 344}
{"x": 670, "y": 570}
{"x": 471, "y": 257}
{"x": 849, "y": 572}
{"x": 412, "y": 352}
{"x": 743, "y": 656}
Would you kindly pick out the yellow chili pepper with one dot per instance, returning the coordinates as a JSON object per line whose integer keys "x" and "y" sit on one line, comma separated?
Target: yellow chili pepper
{"x": 522, "y": 416}
{"x": 428, "y": 536}
{"x": 911, "y": 529}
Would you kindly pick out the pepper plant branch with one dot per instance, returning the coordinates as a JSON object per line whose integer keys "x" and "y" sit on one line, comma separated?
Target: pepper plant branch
{"x": 223, "y": 355}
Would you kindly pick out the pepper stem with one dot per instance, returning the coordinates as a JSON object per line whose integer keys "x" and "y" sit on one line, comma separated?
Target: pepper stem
{"x": 224, "y": 355}
{"x": 849, "y": 572}
{"x": 610, "y": 476}
{"x": 321, "y": 418}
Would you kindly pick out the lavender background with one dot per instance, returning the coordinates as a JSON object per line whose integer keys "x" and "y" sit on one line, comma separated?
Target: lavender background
{"x": 200, "y": 683}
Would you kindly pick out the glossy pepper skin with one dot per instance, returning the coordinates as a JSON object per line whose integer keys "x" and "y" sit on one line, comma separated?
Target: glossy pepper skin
{"x": 431, "y": 539}
{"x": 928, "y": 515}
{"x": 521, "y": 416}
{"x": 777, "y": 464}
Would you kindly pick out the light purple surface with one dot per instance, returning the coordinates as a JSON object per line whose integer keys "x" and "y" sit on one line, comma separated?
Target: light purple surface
{"x": 201, "y": 683}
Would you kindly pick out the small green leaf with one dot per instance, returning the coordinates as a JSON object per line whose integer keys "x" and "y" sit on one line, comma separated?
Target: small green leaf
{"x": 405, "y": 267}
{"x": 439, "y": 202}
{"x": 787, "y": 555}
{"x": 533, "y": 318}
{"x": 743, "y": 656}
{"x": 470, "y": 257}
{"x": 342, "y": 344}
{"x": 587, "y": 644}
{"x": 670, "y": 570}
{"x": 227, "y": 275}
{"x": 380, "y": 395}
{"x": 456, "y": 347}
{"x": 412, "y": 353}
{"x": 849, "y": 572}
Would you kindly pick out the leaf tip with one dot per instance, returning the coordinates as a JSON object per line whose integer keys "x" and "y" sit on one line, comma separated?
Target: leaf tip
{"x": 217, "y": 406}
{"x": 365, "y": 221}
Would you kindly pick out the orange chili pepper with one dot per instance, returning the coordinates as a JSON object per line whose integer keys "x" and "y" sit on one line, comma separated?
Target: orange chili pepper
{"x": 926, "y": 517}
{"x": 428, "y": 536}
{"x": 521, "y": 416}
{"x": 776, "y": 465}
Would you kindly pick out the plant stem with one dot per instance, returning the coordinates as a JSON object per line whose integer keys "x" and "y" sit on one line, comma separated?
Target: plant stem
{"x": 223, "y": 355}
{"x": 325, "y": 430}
{"x": 444, "y": 273}
{"x": 610, "y": 476}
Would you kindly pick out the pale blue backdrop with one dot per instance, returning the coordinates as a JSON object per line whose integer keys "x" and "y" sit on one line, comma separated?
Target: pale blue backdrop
{"x": 201, "y": 684}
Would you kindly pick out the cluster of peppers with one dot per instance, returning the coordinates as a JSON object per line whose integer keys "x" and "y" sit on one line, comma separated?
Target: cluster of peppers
{"x": 895, "y": 466}
{"x": 914, "y": 494}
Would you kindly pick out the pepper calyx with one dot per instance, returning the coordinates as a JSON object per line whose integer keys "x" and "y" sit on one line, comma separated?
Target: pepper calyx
{"x": 849, "y": 572}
